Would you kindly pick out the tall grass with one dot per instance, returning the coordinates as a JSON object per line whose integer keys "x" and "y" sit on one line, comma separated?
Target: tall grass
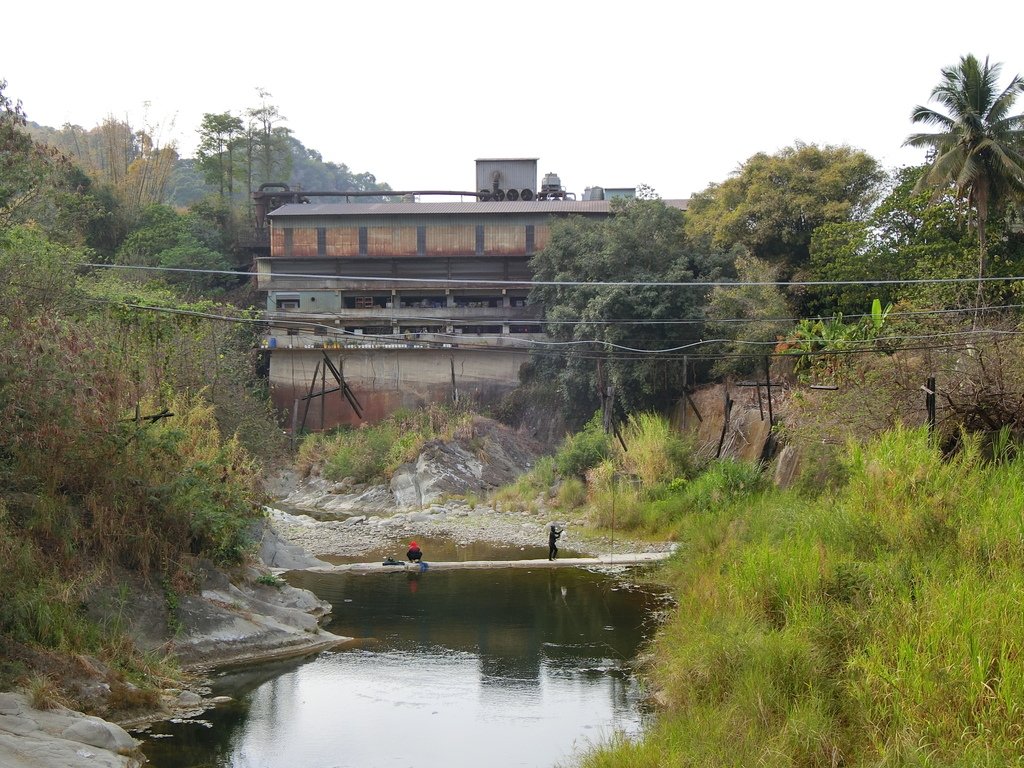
{"x": 374, "y": 452}
{"x": 881, "y": 624}
{"x": 655, "y": 453}
{"x": 616, "y": 486}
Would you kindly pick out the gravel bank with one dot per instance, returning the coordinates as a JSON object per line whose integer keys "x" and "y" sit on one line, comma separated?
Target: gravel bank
{"x": 363, "y": 534}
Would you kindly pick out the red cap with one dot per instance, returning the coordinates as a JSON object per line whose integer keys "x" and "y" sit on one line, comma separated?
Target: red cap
{"x": 413, "y": 544}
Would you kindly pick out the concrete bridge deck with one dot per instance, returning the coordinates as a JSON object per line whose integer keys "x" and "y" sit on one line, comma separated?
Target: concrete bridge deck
{"x": 603, "y": 561}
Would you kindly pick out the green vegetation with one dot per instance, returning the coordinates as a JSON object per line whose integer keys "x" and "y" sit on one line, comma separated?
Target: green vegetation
{"x": 978, "y": 148}
{"x": 636, "y": 487}
{"x": 374, "y": 452}
{"x": 584, "y": 450}
{"x": 877, "y": 624}
{"x": 132, "y": 422}
{"x": 642, "y": 242}
{"x": 110, "y": 461}
{"x": 773, "y": 204}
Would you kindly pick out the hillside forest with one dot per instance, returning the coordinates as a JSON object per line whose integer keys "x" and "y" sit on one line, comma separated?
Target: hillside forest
{"x": 865, "y": 615}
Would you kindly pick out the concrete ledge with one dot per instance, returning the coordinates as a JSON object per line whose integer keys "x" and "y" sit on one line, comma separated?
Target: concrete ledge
{"x": 604, "y": 561}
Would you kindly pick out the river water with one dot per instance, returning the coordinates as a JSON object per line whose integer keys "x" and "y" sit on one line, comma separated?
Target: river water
{"x": 452, "y": 668}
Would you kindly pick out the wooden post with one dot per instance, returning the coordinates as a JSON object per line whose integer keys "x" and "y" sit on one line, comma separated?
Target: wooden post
{"x": 295, "y": 423}
{"x": 323, "y": 395}
{"x": 727, "y": 409}
{"x": 686, "y": 389}
{"x": 309, "y": 395}
{"x": 929, "y": 403}
{"x": 768, "y": 388}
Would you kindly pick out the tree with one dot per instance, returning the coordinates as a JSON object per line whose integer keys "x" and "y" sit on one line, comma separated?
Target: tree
{"x": 773, "y": 204}
{"x": 268, "y": 156}
{"x": 906, "y": 236}
{"x": 27, "y": 169}
{"x": 622, "y": 325}
{"x": 129, "y": 168}
{"x": 746, "y": 314}
{"x": 168, "y": 239}
{"x": 979, "y": 147}
{"x": 218, "y": 135}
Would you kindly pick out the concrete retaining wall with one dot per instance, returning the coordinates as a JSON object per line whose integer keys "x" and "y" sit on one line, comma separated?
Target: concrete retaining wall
{"x": 385, "y": 380}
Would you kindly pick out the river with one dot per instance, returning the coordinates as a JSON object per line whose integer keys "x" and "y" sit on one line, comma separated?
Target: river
{"x": 452, "y": 668}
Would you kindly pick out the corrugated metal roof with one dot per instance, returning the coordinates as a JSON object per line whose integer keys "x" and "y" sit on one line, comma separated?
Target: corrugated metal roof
{"x": 449, "y": 209}
{"x": 505, "y": 159}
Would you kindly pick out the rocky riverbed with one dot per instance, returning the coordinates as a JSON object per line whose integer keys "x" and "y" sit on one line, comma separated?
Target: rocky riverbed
{"x": 243, "y": 617}
{"x": 428, "y": 498}
{"x": 357, "y": 534}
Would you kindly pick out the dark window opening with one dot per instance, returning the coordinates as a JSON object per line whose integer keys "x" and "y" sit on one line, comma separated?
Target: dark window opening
{"x": 415, "y": 329}
{"x": 366, "y": 302}
{"x": 287, "y": 301}
{"x": 478, "y": 301}
{"x": 422, "y": 302}
{"x": 490, "y": 330}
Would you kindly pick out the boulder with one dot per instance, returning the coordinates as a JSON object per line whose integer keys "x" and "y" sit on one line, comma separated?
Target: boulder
{"x": 275, "y": 552}
{"x": 101, "y": 734}
{"x": 60, "y": 738}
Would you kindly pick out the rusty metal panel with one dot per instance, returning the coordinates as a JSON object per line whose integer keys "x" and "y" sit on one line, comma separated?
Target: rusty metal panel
{"x": 541, "y": 236}
{"x": 391, "y": 241}
{"x": 304, "y": 242}
{"x": 343, "y": 241}
{"x": 450, "y": 240}
{"x": 443, "y": 240}
{"x": 277, "y": 241}
{"x": 505, "y": 239}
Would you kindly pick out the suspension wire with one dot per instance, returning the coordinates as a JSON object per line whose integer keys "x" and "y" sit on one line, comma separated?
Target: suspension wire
{"x": 567, "y": 283}
{"x": 538, "y": 346}
{"x": 520, "y": 342}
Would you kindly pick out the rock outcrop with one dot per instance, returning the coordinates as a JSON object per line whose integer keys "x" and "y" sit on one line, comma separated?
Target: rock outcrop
{"x": 230, "y": 623}
{"x": 61, "y": 738}
{"x": 487, "y": 456}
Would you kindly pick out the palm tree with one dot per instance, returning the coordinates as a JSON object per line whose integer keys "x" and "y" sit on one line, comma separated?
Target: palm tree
{"x": 979, "y": 148}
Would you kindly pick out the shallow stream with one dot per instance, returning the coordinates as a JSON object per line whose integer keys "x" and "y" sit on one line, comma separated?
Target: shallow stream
{"x": 452, "y": 668}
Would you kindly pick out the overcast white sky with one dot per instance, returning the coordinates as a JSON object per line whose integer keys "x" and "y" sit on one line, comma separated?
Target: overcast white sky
{"x": 671, "y": 94}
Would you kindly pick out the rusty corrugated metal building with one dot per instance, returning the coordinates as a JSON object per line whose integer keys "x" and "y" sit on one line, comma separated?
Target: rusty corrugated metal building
{"x": 414, "y": 302}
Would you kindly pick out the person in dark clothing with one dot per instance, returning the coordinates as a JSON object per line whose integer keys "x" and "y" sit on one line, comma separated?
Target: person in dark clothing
{"x": 415, "y": 554}
{"x": 553, "y": 534}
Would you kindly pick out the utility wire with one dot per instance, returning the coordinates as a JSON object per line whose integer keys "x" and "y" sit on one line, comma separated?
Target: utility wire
{"x": 538, "y": 345}
{"x": 521, "y": 342}
{"x": 569, "y": 283}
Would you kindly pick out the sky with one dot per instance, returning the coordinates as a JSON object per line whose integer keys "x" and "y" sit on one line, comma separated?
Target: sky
{"x": 676, "y": 95}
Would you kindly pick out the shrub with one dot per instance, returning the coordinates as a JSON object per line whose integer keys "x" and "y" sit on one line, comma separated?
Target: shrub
{"x": 374, "y": 452}
{"x": 613, "y": 503}
{"x": 876, "y": 624}
{"x": 583, "y": 450}
{"x": 361, "y": 454}
{"x": 572, "y": 493}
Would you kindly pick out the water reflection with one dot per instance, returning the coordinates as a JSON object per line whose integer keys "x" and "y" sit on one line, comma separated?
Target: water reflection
{"x": 456, "y": 668}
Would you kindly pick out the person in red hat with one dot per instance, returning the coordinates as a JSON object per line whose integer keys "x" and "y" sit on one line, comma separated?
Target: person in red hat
{"x": 415, "y": 553}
